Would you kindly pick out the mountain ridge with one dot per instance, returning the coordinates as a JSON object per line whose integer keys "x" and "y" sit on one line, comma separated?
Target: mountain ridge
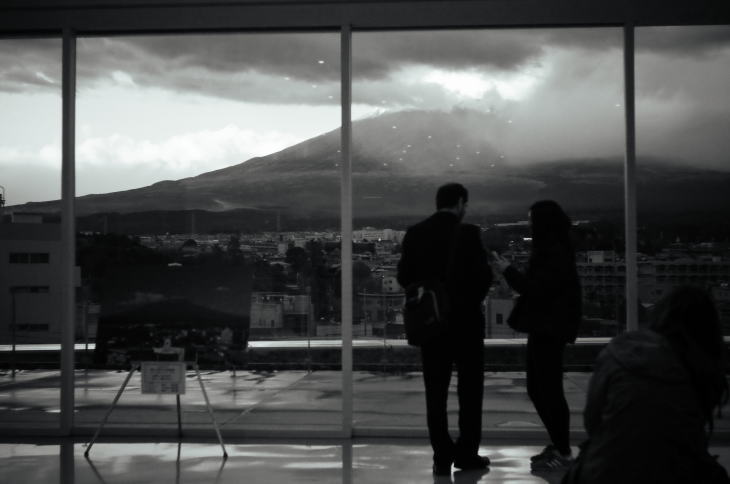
{"x": 398, "y": 161}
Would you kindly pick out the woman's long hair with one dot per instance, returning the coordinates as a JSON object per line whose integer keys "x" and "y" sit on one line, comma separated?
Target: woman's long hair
{"x": 687, "y": 318}
{"x": 550, "y": 227}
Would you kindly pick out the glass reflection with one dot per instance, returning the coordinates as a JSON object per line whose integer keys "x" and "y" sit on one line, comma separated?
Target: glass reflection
{"x": 682, "y": 120}
{"x": 209, "y": 213}
{"x": 30, "y": 230}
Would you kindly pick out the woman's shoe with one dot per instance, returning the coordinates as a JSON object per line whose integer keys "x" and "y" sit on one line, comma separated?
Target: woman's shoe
{"x": 544, "y": 453}
{"x": 552, "y": 461}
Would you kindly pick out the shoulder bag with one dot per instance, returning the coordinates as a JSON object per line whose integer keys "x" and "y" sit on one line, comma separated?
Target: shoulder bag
{"x": 427, "y": 305}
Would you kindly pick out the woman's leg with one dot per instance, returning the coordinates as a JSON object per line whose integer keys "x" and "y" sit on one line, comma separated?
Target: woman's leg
{"x": 545, "y": 387}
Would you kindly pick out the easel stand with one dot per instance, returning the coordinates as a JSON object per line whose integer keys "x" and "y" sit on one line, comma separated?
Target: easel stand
{"x": 137, "y": 367}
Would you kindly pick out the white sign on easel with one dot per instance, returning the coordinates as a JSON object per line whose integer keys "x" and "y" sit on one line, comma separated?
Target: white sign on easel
{"x": 163, "y": 377}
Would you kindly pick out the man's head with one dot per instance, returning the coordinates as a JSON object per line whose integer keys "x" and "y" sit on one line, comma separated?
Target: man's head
{"x": 452, "y": 197}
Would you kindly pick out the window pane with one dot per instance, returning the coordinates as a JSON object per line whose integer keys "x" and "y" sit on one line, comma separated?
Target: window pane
{"x": 39, "y": 257}
{"x": 683, "y": 117}
{"x": 18, "y": 257}
{"x": 514, "y": 115}
{"x": 209, "y": 220}
{"x": 30, "y": 232}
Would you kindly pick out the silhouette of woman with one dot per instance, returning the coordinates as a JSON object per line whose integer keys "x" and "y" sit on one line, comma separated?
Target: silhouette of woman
{"x": 549, "y": 310}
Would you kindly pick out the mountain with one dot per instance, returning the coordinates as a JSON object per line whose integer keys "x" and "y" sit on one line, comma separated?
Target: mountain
{"x": 399, "y": 159}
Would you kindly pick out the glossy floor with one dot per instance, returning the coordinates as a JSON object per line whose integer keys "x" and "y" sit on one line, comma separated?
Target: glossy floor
{"x": 266, "y": 402}
{"x": 359, "y": 461}
{"x": 280, "y": 404}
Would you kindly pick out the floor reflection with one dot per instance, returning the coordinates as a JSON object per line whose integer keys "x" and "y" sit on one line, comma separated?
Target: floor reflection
{"x": 347, "y": 462}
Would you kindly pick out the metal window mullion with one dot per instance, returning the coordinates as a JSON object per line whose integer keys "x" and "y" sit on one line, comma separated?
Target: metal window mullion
{"x": 632, "y": 298}
{"x": 68, "y": 231}
{"x": 346, "y": 227}
{"x": 67, "y": 464}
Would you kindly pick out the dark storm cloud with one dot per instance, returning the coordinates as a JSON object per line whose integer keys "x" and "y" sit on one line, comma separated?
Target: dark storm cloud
{"x": 393, "y": 96}
{"x": 376, "y": 54}
{"x": 30, "y": 65}
{"x": 293, "y": 55}
{"x": 684, "y": 41}
{"x": 595, "y": 39}
{"x": 216, "y": 64}
{"x": 298, "y": 56}
{"x": 262, "y": 68}
{"x": 17, "y": 80}
{"x": 172, "y": 61}
{"x": 666, "y": 41}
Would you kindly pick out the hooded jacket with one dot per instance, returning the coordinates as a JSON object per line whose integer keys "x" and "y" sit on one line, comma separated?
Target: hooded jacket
{"x": 643, "y": 418}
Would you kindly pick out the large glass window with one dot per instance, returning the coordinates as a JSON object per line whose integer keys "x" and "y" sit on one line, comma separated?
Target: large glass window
{"x": 516, "y": 116}
{"x": 208, "y": 175}
{"x": 30, "y": 231}
{"x": 683, "y": 169}
{"x": 208, "y": 218}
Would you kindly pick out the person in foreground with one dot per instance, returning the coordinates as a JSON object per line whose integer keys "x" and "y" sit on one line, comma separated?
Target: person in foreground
{"x": 549, "y": 310}
{"x": 650, "y": 402}
{"x": 442, "y": 247}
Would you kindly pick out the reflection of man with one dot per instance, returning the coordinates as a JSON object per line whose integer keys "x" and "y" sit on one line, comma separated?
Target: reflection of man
{"x": 428, "y": 253}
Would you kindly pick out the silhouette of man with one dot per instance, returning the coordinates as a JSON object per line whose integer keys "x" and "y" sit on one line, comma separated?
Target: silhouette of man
{"x": 427, "y": 253}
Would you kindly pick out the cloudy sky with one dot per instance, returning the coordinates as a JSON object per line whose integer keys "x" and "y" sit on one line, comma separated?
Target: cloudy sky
{"x": 167, "y": 107}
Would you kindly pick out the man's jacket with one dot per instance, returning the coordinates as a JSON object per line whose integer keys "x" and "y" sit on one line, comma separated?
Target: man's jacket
{"x": 425, "y": 255}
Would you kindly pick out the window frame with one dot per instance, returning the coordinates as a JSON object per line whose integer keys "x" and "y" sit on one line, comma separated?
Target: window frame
{"x": 71, "y": 19}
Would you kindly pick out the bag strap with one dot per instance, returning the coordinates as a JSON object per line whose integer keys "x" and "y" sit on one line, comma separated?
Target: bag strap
{"x": 452, "y": 250}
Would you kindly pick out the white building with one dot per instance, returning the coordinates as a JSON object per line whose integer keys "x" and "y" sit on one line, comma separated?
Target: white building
{"x": 269, "y": 310}
{"x": 374, "y": 235}
{"x": 266, "y": 314}
{"x": 30, "y": 277}
{"x": 282, "y": 247}
{"x": 498, "y": 310}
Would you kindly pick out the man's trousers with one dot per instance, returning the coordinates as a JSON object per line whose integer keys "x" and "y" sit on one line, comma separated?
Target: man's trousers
{"x": 439, "y": 358}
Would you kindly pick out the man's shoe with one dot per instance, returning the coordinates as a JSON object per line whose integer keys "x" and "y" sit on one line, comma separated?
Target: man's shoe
{"x": 474, "y": 462}
{"x": 441, "y": 469}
